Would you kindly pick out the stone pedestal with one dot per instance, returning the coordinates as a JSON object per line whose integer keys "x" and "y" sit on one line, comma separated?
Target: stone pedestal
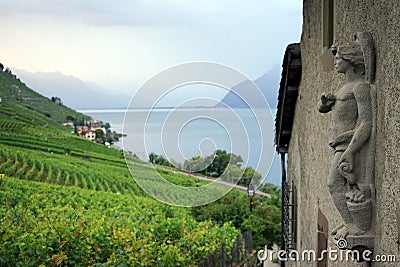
{"x": 366, "y": 241}
{"x": 360, "y": 248}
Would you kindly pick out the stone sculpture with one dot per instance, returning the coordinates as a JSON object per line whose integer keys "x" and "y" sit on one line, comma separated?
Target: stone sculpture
{"x": 351, "y": 178}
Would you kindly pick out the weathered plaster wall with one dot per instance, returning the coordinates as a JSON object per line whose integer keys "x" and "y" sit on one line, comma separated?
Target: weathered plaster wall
{"x": 311, "y": 129}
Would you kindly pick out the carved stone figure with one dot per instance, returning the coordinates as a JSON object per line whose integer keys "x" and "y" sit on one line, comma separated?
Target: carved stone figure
{"x": 353, "y": 128}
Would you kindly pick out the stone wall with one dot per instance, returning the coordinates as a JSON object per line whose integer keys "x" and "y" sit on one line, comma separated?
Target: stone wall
{"x": 310, "y": 156}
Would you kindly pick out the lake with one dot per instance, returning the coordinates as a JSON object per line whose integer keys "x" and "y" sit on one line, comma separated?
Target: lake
{"x": 180, "y": 134}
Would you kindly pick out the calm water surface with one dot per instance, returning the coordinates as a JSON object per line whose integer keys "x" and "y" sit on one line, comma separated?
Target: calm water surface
{"x": 180, "y": 134}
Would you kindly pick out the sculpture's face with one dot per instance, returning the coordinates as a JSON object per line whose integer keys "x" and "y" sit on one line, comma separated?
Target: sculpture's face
{"x": 341, "y": 65}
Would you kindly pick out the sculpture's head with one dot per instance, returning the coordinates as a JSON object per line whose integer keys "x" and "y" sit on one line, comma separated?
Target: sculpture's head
{"x": 348, "y": 56}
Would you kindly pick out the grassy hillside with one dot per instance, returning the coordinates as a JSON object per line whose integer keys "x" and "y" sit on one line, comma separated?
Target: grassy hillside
{"x": 72, "y": 202}
{"x": 45, "y": 112}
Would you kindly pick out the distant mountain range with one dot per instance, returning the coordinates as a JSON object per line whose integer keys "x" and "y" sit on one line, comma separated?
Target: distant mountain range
{"x": 73, "y": 92}
{"x": 79, "y": 94}
{"x": 268, "y": 84}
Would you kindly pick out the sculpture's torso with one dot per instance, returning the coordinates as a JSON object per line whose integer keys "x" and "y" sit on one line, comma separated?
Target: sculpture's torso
{"x": 345, "y": 110}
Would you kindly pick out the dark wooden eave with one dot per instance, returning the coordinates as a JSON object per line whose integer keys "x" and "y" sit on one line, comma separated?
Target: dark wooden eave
{"x": 288, "y": 92}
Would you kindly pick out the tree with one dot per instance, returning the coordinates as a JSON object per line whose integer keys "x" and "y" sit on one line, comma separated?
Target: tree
{"x": 100, "y": 135}
{"x": 158, "y": 159}
{"x": 275, "y": 193}
{"x": 232, "y": 174}
{"x": 176, "y": 164}
{"x": 1, "y": 67}
{"x": 152, "y": 157}
{"x": 195, "y": 164}
{"x": 106, "y": 126}
{"x": 82, "y": 122}
{"x": 264, "y": 220}
{"x": 250, "y": 175}
{"x": 219, "y": 161}
{"x": 232, "y": 207}
{"x": 114, "y": 136}
{"x": 70, "y": 118}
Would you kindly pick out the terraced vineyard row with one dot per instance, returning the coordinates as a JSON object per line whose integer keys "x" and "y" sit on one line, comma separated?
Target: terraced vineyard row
{"x": 70, "y": 171}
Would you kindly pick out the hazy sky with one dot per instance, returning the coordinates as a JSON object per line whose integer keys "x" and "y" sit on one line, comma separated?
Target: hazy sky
{"x": 121, "y": 43}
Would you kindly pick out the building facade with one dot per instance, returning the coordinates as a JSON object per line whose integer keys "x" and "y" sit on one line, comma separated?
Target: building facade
{"x": 303, "y": 133}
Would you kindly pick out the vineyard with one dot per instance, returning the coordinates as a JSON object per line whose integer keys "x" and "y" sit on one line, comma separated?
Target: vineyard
{"x": 66, "y": 170}
{"x": 48, "y": 225}
{"x": 72, "y": 202}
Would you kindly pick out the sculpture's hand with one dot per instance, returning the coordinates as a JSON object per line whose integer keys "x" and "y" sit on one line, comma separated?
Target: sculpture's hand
{"x": 346, "y": 166}
{"x": 327, "y": 101}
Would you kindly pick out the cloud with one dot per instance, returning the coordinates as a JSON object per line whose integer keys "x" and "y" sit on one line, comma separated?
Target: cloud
{"x": 140, "y": 12}
{"x": 102, "y": 12}
{"x": 121, "y": 43}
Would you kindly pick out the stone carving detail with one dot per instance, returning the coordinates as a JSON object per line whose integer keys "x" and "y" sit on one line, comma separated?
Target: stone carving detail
{"x": 353, "y": 109}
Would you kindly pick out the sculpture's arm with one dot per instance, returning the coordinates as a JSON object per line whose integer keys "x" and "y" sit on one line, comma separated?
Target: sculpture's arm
{"x": 363, "y": 128}
{"x": 326, "y": 102}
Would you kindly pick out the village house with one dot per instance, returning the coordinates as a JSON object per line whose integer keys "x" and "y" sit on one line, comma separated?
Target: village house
{"x": 57, "y": 100}
{"x": 68, "y": 123}
{"x": 86, "y": 132}
{"x": 89, "y": 135}
{"x": 95, "y": 125}
{"x": 89, "y": 132}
